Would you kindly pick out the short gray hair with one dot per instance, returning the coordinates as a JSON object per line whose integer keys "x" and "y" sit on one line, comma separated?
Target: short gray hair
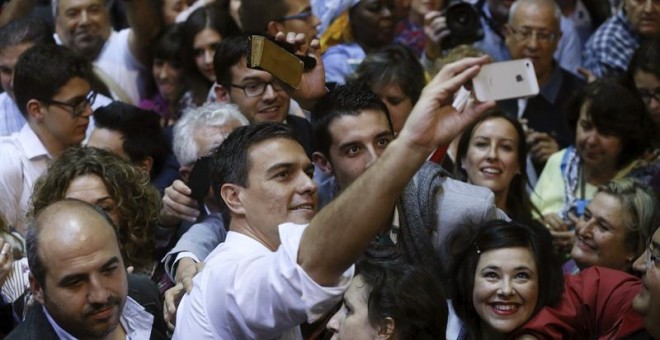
{"x": 549, "y": 3}
{"x": 54, "y": 3}
{"x": 214, "y": 114}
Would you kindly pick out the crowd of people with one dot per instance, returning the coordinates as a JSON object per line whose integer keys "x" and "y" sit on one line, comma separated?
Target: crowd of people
{"x": 155, "y": 185}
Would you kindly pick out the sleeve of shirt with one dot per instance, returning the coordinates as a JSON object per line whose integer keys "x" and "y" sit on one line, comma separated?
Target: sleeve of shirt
{"x": 273, "y": 294}
{"x": 597, "y": 303}
{"x": 569, "y": 51}
{"x": 335, "y": 62}
{"x": 548, "y": 195}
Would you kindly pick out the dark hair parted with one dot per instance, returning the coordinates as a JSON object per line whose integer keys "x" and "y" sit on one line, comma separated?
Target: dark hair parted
{"x": 518, "y": 205}
{"x": 646, "y": 58}
{"x": 392, "y": 65}
{"x": 24, "y": 31}
{"x": 617, "y": 111}
{"x": 37, "y": 267}
{"x": 255, "y": 16}
{"x": 349, "y": 99}
{"x": 208, "y": 17}
{"x": 231, "y": 161}
{"x": 410, "y": 295}
{"x": 167, "y": 46}
{"x": 468, "y": 244}
{"x": 141, "y": 131}
{"x": 138, "y": 202}
{"x": 227, "y": 54}
{"x": 43, "y": 69}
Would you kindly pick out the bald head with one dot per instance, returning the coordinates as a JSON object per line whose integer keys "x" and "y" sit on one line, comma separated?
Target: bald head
{"x": 67, "y": 224}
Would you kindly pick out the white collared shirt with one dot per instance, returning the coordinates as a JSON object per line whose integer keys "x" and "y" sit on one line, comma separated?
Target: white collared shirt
{"x": 247, "y": 291}
{"x": 135, "y": 320}
{"x": 11, "y": 118}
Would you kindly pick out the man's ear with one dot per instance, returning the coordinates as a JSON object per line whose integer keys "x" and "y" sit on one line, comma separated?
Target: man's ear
{"x": 221, "y": 93}
{"x": 386, "y": 329}
{"x": 322, "y": 163}
{"x": 34, "y": 110}
{"x": 231, "y": 195}
{"x": 273, "y": 27}
{"x": 146, "y": 164}
{"x": 37, "y": 290}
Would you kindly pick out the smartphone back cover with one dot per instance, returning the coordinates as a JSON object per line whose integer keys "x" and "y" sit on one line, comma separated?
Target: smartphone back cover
{"x": 506, "y": 80}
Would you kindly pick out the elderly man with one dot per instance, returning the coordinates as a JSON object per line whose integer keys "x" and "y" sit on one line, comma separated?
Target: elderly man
{"x": 533, "y": 32}
{"x": 610, "y": 48}
{"x": 120, "y": 57}
{"x": 271, "y": 275}
{"x": 52, "y": 85}
{"x": 16, "y": 38}
{"x": 78, "y": 279}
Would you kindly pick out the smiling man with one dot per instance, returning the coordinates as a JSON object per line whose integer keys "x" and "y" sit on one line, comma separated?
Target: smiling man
{"x": 79, "y": 282}
{"x": 259, "y": 96}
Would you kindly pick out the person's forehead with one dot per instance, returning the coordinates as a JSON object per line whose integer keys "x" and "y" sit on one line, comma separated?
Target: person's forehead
{"x": 11, "y": 53}
{"x": 536, "y": 15}
{"x": 240, "y": 72}
{"x": 273, "y": 151}
{"x": 364, "y": 122}
{"x": 66, "y": 4}
{"x": 295, "y": 6}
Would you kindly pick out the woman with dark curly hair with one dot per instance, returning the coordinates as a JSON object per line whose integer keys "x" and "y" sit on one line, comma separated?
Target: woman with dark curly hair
{"x": 104, "y": 179}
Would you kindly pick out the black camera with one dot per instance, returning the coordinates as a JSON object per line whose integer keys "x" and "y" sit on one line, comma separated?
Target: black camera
{"x": 463, "y": 22}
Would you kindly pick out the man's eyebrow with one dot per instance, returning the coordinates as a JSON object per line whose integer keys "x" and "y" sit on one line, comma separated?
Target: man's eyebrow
{"x": 278, "y": 166}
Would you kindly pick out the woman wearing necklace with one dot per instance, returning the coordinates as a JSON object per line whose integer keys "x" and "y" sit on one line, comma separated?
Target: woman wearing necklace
{"x": 613, "y": 129}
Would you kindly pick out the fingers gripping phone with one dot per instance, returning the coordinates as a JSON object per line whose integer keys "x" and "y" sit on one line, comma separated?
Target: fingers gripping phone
{"x": 200, "y": 180}
{"x": 506, "y": 80}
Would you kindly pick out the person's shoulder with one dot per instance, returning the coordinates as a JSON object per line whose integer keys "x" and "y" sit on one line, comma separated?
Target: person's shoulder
{"x": 34, "y": 327}
{"x": 571, "y": 82}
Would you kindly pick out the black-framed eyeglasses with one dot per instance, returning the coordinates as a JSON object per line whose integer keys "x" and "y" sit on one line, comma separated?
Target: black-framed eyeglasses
{"x": 77, "y": 108}
{"x": 526, "y": 35}
{"x": 647, "y": 95}
{"x": 304, "y": 15}
{"x": 258, "y": 89}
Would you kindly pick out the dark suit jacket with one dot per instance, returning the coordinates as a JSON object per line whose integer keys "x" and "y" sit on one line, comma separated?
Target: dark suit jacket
{"x": 140, "y": 288}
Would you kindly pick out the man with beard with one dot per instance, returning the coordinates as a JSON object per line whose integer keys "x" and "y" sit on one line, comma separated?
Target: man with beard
{"x": 119, "y": 57}
{"x": 78, "y": 279}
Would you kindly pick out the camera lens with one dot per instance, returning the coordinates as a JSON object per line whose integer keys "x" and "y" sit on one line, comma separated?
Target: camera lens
{"x": 462, "y": 19}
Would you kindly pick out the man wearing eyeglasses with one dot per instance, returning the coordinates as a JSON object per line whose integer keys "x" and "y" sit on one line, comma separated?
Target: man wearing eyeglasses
{"x": 533, "y": 31}
{"x": 279, "y": 16}
{"x": 610, "y": 48}
{"x": 259, "y": 96}
{"x": 53, "y": 91}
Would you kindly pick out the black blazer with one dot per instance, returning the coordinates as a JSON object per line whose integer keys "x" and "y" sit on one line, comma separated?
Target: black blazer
{"x": 140, "y": 288}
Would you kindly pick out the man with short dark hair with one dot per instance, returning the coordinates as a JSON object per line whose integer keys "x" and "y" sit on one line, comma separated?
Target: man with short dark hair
{"x": 52, "y": 86}
{"x": 15, "y": 38}
{"x": 271, "y": 275}
{"x": 132, "y": 133}
{"x": 352, "y": 129}
{"x": 259, "y": 96}
{"x": 80, "y": 284}
{"x": 610, "y": 48}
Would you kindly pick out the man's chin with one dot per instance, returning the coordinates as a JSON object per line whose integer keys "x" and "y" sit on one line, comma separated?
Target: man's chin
{"x": 89, "y": 49}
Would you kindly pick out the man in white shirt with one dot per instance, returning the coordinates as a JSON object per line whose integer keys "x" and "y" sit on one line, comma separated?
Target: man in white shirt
{"x": 120, "y": 58}
{"x": 269, "y": 276}
{"x": 52, "y": 89}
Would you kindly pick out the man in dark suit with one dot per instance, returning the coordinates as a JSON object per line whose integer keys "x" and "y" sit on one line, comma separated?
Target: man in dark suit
{"x": 79, "y": 279}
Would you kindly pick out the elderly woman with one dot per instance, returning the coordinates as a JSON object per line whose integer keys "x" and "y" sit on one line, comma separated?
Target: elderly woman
{"x": 376, "y": 307}
{"x": 613, "y": 129}
{"x": 104, "y": 179}
{"x": 614, "y": 228}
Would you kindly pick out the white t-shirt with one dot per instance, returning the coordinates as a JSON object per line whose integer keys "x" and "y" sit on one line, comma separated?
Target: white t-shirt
{"x": 246, "y": 291}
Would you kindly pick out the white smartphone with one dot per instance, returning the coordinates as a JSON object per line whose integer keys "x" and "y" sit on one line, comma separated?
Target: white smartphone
{"x": 505, "y": 80}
